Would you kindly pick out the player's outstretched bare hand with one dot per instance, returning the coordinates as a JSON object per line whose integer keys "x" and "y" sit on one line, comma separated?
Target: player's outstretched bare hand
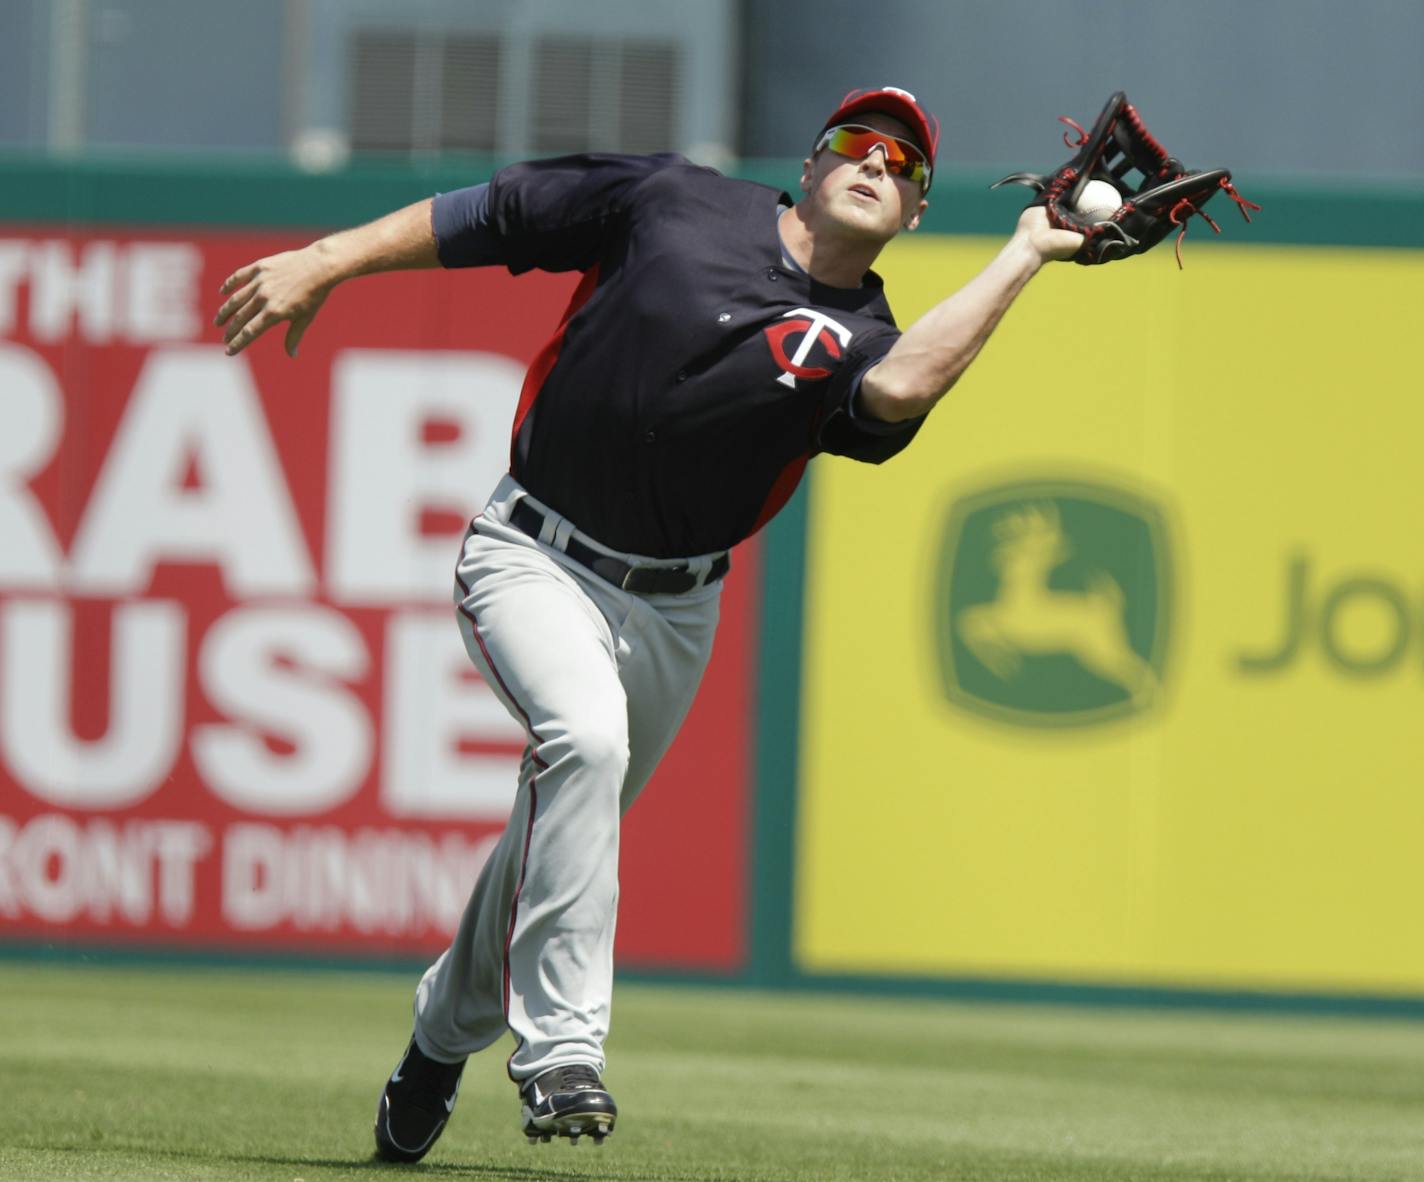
{"x": 290, "y": 286}
{"x": 1051, "y": 245}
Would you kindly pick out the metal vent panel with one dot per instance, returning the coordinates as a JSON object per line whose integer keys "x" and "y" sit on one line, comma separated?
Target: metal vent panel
{"x": 563, "y": 107}
{"x": 431, "y": 91}
{"x": 383, "y": 90}
{"x": 648, "y": 96}
{"x": 469, "y": 93}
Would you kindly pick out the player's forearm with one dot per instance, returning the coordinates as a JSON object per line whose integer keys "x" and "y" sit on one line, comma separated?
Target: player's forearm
{"x": 293, "y": 284}
{"x": 933, "y": 352}
{"x": 402, "y": 240}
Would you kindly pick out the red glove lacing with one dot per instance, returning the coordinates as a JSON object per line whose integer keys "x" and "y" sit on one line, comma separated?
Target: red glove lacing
{"x": 1241, "y": 203}
{"x": 1076, "y": 126}
{"x": 1186, "y": 204}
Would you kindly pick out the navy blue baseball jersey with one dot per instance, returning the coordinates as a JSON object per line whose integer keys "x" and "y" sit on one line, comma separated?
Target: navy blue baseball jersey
{"x": 696, "y": 369}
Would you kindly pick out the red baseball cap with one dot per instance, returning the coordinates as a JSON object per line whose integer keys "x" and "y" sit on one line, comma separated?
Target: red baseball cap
{"x": 897, "y": 103}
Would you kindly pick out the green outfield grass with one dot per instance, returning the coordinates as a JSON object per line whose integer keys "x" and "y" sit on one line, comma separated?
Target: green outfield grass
{"x": 191, "y": 1074}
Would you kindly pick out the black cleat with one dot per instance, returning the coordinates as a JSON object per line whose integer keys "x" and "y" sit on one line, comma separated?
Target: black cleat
{"x": 415, "y": 1105}
{"x": 567, "y": 1102}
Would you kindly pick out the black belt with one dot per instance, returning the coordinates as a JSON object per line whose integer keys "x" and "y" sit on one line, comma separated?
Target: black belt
{"x": 641, "y": 580}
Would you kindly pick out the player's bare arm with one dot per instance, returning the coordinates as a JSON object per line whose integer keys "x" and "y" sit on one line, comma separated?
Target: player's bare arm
{"x": 934, "y": 351}
{"x": 292, "y": 286}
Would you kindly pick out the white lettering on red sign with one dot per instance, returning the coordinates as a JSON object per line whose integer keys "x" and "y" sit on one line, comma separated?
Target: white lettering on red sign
{"x": 280, "y": 666}
{"x": 31, "y": 418}
{"x": 379, "y": 881}
{"x": 138, "y": 292}
{"x": 384, "y": 473}
{"x": 145, "y": 694}
{"x": 192, "y": 407}
{"x": 59, "y": 869}
{"x": 282, "y": 671}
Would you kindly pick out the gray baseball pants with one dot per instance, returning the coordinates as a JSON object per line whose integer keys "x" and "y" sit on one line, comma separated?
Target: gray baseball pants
{"x": 600, "y": 679}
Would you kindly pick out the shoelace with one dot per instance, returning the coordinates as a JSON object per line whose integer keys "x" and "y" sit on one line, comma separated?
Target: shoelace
{"x": 577, "y": 1077}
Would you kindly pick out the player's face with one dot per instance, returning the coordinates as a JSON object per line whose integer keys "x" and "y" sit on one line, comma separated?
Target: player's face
{"x": 861, "y": 195}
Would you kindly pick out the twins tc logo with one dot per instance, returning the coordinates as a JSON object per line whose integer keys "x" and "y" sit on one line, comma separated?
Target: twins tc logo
{"x": 815, "y": 328}
{"x": 1053, "y": 602}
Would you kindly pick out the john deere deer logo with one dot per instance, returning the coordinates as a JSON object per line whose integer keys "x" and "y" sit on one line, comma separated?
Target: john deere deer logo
{"x": 1053, "y": 603}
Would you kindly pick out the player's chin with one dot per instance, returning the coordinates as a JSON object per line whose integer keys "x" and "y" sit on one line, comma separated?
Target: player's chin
{"x": 871, "y": 221}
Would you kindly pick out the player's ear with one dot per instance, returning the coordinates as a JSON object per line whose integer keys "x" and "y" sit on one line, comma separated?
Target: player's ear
{"x": 913, "y": 221}
{"x": 806, "y": 166}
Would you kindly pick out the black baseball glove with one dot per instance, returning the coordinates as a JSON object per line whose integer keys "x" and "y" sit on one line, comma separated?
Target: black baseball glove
{"x": 1157, "y": 191}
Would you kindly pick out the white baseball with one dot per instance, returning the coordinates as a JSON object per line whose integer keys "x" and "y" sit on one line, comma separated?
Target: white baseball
{"x": 1097, "y": 201}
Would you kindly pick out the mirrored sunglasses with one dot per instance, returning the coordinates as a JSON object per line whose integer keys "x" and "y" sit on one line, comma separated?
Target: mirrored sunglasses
{"x": 902, "y": 158}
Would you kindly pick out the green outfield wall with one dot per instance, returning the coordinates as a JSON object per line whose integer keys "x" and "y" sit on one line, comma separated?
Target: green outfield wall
{"x": 1107, "y": 689}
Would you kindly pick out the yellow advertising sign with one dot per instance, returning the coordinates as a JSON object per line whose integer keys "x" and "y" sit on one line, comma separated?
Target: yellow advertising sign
{"x": 1116, "y": 675}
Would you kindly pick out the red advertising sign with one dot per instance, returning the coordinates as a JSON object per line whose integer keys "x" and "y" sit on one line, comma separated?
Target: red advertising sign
{"x": 234, "y": 707}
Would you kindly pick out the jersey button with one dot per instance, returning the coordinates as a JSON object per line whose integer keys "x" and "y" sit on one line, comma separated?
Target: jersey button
{"x": 682, "y": 375}
{"x": 771, "y": 274}
{"x": 650, "y": 437}
{"x": 724, "y": 317}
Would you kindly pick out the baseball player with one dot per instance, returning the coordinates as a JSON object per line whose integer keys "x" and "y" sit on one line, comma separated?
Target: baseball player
{"x": 721, "y": 335}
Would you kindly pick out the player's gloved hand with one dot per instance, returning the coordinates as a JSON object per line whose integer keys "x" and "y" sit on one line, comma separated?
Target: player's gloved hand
{"x": 1158, "y": 192}
{"x": 290, "y": 286}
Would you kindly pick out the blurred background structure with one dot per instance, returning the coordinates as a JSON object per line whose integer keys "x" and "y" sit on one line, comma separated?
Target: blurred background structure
{"x": 1270, "y": 86}
{"x": 235, "y": 717}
